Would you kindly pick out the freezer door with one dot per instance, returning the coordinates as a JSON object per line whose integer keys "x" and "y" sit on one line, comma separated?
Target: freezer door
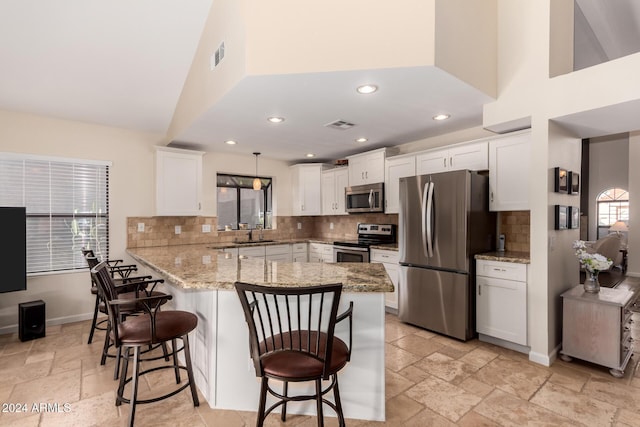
{"x": 437, "y": 300}
{"x": 432, "y": 222}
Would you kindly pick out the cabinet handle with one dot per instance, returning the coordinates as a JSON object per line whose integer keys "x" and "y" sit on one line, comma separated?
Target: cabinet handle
{"x": 362, "y": 174}
{"x": 450, "y": 161}
{"x": 199, "y": 206}
{"x": 492, "y": 197}
{"x": 366, "y": 174}
{"x": 479, "y": 290}
{"x": 445, "y": 162}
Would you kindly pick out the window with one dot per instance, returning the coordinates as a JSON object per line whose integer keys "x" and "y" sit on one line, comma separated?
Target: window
{"x": 238, "y": 202}
{"x": 67, "y": 205}
{"x": 613, "y": 205}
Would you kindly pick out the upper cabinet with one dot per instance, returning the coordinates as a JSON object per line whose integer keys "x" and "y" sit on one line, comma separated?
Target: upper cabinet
{"x": 472, "y": 156}
{"x": 178, "y": 182}
{"x": 334, "y": 181}
{"x": 367, "y": 168}
{"x": 396, "y": 168}
{"x": 509, "y": 172}
{"x": 306, "y": 186}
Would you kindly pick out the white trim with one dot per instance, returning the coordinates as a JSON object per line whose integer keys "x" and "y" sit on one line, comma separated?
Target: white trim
{"x": 51, "y": 322}
{"x": 21, "y": 156}
{"x": 545, "y": 359}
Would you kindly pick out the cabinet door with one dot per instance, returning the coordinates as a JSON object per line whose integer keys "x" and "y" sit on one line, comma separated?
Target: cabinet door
{"x": 178, "y": 182}
{"x": 501, "y": 309}
{"x": 367, "y": 168}
{"x": 394, "y": 170}
{"x": 252, "y": 252}
{"x": 306, "y": 189}
{"x": 432, "y": 161}
{"x": 328, "y": 193}
{"x": 509, "y": 173}
{"x": 341, "y": 182}
{"x": 472, "y": 156}
{"x": 391, "y": 298}
{"x": 357, "y": 170}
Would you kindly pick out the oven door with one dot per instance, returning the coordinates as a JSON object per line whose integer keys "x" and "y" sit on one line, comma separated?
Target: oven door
{"x": 350, "y": 254}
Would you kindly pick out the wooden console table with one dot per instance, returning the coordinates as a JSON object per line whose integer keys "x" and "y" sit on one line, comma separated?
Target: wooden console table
{"x": 595, "y": 327}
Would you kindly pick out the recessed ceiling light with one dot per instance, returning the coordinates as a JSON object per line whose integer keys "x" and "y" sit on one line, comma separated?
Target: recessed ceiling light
{"x": 276, "y": 119}
{"x": 230, "y": 142}
{"x": 310, "y": 155}
{"x": 361, "y": 140}
{"x": 367, "y": 89}
{"x": 441, "y": 117}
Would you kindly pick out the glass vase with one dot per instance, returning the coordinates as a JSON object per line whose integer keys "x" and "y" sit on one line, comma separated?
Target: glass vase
{"x": 591, "y": 283}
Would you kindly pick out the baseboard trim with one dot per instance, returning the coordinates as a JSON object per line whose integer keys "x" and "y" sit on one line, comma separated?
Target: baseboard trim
{"x": 10, "y": 329}
{"x": 545, "y": 359}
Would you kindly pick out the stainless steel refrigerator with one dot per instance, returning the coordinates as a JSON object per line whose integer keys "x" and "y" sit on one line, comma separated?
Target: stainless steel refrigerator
{"x": 444, "y": 220}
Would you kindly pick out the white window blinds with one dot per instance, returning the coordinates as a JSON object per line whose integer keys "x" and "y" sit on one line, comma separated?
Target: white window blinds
{"x": 67, "y": 205}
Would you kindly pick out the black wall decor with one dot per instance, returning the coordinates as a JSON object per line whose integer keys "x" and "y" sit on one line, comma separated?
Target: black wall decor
{"x": 561, "y": 217}
{"x": 561, "y": 180}
{"x": 574, "y": 182}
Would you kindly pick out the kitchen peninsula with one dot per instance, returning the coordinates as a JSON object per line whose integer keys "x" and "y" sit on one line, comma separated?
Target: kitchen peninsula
{"x": 201, "y": 278}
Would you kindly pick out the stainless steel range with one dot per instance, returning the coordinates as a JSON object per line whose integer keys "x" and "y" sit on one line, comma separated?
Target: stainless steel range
{"x": 368, "y": 235}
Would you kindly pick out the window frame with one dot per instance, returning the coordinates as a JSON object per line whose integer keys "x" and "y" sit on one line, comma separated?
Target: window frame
{"x": 236, "y": 183}
{"x": 619, "y": 198}
{"x": 63, "y": 167}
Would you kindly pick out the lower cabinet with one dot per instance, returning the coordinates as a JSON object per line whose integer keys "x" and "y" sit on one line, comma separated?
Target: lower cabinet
{"x": 320, "y": 252}
{"x": 501, "y": 300}
{"x": 280, "y": 253}
{"x": 390, "y": 261}
{"x": 299, "y": 252}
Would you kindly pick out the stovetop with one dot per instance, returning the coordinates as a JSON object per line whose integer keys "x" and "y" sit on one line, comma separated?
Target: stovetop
{"x": 371, "y": 234}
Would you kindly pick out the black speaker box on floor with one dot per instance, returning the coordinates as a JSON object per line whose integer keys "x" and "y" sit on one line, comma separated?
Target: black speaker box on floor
{"x": 31, "y": 322}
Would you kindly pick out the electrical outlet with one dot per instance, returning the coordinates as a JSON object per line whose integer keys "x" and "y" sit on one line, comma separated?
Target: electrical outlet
{"x": 330, "y": 226}
{"x": 299, "y": 226}
{"x": 206, "y": 228}
{"x": 206, "y": 259}
{"x": 141, "y": 227}
{"x": 178, "y": 229}
{"x": 177, "y": 260}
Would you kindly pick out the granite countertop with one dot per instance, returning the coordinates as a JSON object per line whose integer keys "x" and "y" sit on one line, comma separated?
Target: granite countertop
{"x": 386, "y": 247}
{"x": 507, "y": 256}
{"x": 204, "y": 267}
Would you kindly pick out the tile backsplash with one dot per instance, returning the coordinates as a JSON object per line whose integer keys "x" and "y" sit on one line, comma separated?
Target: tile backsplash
{"x": 161, "y": 230}
{"x": 515, "y": 226}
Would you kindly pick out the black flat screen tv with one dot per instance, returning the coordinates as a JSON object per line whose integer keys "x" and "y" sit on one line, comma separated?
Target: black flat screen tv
{"x": 13, "y": 249}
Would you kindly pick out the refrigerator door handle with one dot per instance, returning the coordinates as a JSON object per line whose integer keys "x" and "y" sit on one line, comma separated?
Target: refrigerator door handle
{"x": 427, "y": 211}
{"x": 430, "y": 213}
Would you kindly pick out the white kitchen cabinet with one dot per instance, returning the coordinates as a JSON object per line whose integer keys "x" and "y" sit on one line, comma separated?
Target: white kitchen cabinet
{"x": 396, "y": 168}
{"x": 306, "y": 186}
{"x": 334, "y": 181}
{"x": 252, "y": 251}
{"x": 472, "y": 156}
{"x": 367, "y": 168}
{"x": 509, "y": 172}
{"x": 501, "y": 300}
{"x": 390, "y": 261}
{"x": 178, "y": 182}
{"x": 299, "y": 252}
{"x": 280, "y": 253}
{"x": 320, "y": 252}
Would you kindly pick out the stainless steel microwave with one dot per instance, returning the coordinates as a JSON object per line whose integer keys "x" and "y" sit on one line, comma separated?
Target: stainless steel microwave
{"x": 365, "y": 198}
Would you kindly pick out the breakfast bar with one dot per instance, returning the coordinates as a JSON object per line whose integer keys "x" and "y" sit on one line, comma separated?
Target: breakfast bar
{"x": 201, "y": 279}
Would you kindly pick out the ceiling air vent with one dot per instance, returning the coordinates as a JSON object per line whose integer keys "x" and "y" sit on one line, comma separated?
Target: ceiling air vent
{"x": 340, "y": 125}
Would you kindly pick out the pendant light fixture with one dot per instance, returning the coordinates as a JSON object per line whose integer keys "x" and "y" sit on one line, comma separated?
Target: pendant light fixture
{"x": 257, "y": 184}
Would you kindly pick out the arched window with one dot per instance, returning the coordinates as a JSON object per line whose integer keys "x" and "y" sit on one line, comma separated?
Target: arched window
{"x": 613, "y": 205}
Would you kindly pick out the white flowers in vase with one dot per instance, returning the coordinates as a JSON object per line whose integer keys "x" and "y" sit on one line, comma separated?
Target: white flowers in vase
{"x": 593, "y": 263}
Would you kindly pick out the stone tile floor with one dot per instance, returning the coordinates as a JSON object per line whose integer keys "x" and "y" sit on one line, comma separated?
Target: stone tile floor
{"x": 431, "y": 380}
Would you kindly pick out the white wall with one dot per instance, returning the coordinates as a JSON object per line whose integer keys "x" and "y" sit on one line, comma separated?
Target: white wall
{"x": 67, "y": 296}
{"x": 608, "y": 168}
